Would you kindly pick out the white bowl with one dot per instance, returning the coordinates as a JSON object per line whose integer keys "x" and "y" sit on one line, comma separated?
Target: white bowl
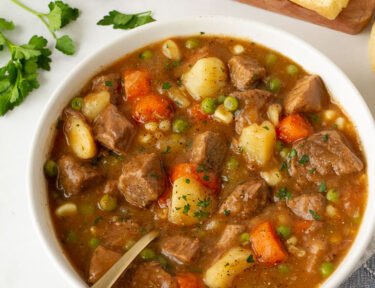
{"x": 302, "y": 53}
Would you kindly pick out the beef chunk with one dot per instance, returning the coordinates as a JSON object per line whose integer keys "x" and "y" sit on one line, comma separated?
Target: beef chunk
{"x": 109, "y": 82}
{"x": 254, "y": 103}
{"x": 180, "y": 248}
{"x": 74, "y": 175}
{"x": 115, "y": 233}
{"x": 111, "y": 188}
{"x": 307, "y": 96}
{"x": 306, "y": 205}
{"x": 152, "y": 275}
{"x": 102, "y": 259}
{"x": 245, "y": 71}
{"x": 230, "y": 236}
{"x": 246, "y": 199}
{"x": 142, "y": 179}
{"x": 113, "y": 130}
{"x": 327, "y": 154}
{"x": 209, "y": 150}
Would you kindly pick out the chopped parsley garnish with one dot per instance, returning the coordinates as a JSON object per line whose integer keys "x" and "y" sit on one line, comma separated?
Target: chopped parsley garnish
{"x": 186, "y": 209}
{"x": 312, "y": 171}
{"x": 167, "y": 150}
{"x": 201, "y": 169}
{"x": 240, "y": 149}
{"x": 315, "y": 215}
{"x": 126, "y": 21}
{"x": 250, "y": 259}
{"x": 314, "y": 118}
{"x": 168, "y": 66}
{"x": 96, "y": 221}
{"x": 108, "y": 83}
{"x": 202, "y": 33}
{"x": 205, "y": 203}
{"x": 227, "y": 264}
{"x": 322, "y": 187}
{"x": 187, "y": 181}
{"x": 325, "y": 137}
{"x": 166, "y": 85}
{"x": 226, "y": 212}
{"x": 177, "y": 103}
{"x": 184, "y": 197}
{"x": 283, "y": 166}
{"x": 175, "y": 63}
{"x": 266, "y": 127}
{"x": 153, "y": 175}
{"x": 206, "y": 178}
{"x": 283, "y": 193}
{"x": 292, "y": 153}
{"x": 201, "y": 214}
{"x": 304, "y": 159}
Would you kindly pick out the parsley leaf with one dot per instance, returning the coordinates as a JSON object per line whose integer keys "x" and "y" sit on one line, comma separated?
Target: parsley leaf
{"x": 201, "y": 214}
{"x": 250, "y": 259}
{"x": 65, "y": 45}
{"x": 283, "y": 193}
{"x": 325, "y": 137}
{"x": 226, "y": 212}
{"x": 322, "y": 187}
{"x": 167, "y": 150}
{"x": 6, "y": 25}
{"x": 205, "y": 203}
{"x": 186, "y": 209}
{"x": 315, "y": 215}
{"x": 166, "y": 86}
{"x": 304, "y": 159}
{"x": 126, "y": 21}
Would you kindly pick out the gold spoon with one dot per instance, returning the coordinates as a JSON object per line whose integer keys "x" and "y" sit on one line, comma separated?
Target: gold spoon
{"x": 110, "y": 277}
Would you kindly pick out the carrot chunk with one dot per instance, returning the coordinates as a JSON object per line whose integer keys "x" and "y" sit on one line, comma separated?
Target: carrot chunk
{"x": 196, "y": 112}
{"x": 293, "y": 128}
{"x": 266, "y": 244}
{"x": 208, "y": 178}
{"x": 189, "y": 280}
{"x": 152, "y": 107}
{"x": 137, "y": 83}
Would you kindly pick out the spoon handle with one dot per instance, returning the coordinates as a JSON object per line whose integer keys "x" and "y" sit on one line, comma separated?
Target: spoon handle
{"x": 110, "y": 277}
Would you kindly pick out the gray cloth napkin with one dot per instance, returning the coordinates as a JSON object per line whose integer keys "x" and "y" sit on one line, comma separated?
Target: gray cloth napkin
{"x": 364, "y": 277}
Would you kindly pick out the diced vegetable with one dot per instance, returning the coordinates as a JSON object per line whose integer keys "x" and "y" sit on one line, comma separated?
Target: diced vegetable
{"x": 152, "y": 108}
{"x": 189, "y": 280}
{"x": 137, "y": 83}
{"x": 272, "y": 176}
{"x": 94, "y": 103}
{"x": 326, "y": 269}
{"x": 151, "y": 126}
{"x": 332, "y": 211}
{"x": 293, "y": 127}
{"x": 208, "y": 178}
{"x": 283, "y": 231}
{"x": 238, "y": 49}
{"x": 208, "y": 105}
{"x": 258, "y": 142}
{"x": 283, "y": 269}
{"x": 232, "y": 263}
{"x": 108, "y": 203}
{"x": 180, "y": 126}
{"x": 187, "y": 207}
{"x": 178, "y": 97}
{"x": 77, "y": 103}
{"x": 205, "y": 78}
{"x": 221, "y": 99}
{"x": 192, "y": 43}
{"x": 171, "y": 50}
{"x": 148, "y": 254}
{"x": 274, "y": 84}
{"x": 165, "y": 125}
{"x": 329, "y": 115}
{"x": 271, "y": 59}
{"x": 223, "y": 115}
{"x": 67, "y": 209}
{"x": 50, "y": 168}
{"x": 147, "y": 54}
{"x": 340, "y": 123}
{"x": 232, "y": 163}
{"x": 197, "y": 113}
{"x": 231, "y": 103}
{"x": 244, "y": 237}
{"x": 273, "y": 113}
{"x": 266, "y": 244}
{"x": 292, "y": 70}
{"x": 332, "y": 195}
{"x": 94, "y": 242}
{"x": 80, "y": 137}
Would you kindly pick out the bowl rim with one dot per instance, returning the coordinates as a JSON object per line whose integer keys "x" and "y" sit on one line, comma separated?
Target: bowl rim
{"x": 366, "y": 229}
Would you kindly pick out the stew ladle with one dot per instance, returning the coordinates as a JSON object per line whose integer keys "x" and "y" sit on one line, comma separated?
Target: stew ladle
{"x": 110, "y": 277}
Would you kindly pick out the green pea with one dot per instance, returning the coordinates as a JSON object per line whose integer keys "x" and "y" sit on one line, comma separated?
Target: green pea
{"x": 71, "y": 237}
{"x": 50, "y": 168}
{"x": 292, "y": 70}
{"x": 192, "y": 43}
{"x": 232, "y": 163}
{"x": 147, "y": 54}
{"x": 208, "y": 105}
{"x": 108, "y": 203}
{"x": 180, "y": 126}
{"x": 94, "y": 242}
{"x": 244, "y": 237}
{"x": 77, "y": 103}
{"x": 274, "y": 84}
{"x": 148, "y": 254}
{"x": 271, "y": 59}
{"x": 332, "y": 195}
{"x": 284, "y": 153}
{"x": 326, "y": 269}
{"x": 283, "y": 231}
{"x": 163, "y": 262}
{"x": 231, "y": 103}
{"x": 221, "y": 99}
{"x": 283, "y": 269}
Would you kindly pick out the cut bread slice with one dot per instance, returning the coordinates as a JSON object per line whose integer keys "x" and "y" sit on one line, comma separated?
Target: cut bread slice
{"x": 371, "y": 48}
{"x": 327, "y": 8}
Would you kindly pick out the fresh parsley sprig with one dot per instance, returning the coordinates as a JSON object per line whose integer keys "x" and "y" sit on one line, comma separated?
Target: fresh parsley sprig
{"x": 126, "y": 21}
{"x": 19, "y": 76}
{"x": 60, "y": 15}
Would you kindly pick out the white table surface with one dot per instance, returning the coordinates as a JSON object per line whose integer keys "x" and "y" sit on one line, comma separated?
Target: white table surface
{"x": 23, "y": 261}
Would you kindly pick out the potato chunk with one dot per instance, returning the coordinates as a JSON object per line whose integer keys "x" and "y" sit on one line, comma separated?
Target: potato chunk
{"x": 171, "y": 50}
{"x": 222, "y": 273}
{"x": 205, "y": 78}
{"x": 94, "y": 103}
{"x": 258, "y": 142}
{"x": 187, "y": 194}
{"x": 79, "y": 135}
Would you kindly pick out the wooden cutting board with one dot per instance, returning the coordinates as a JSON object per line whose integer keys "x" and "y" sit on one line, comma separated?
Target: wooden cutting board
{"x": 353, "y": 19}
